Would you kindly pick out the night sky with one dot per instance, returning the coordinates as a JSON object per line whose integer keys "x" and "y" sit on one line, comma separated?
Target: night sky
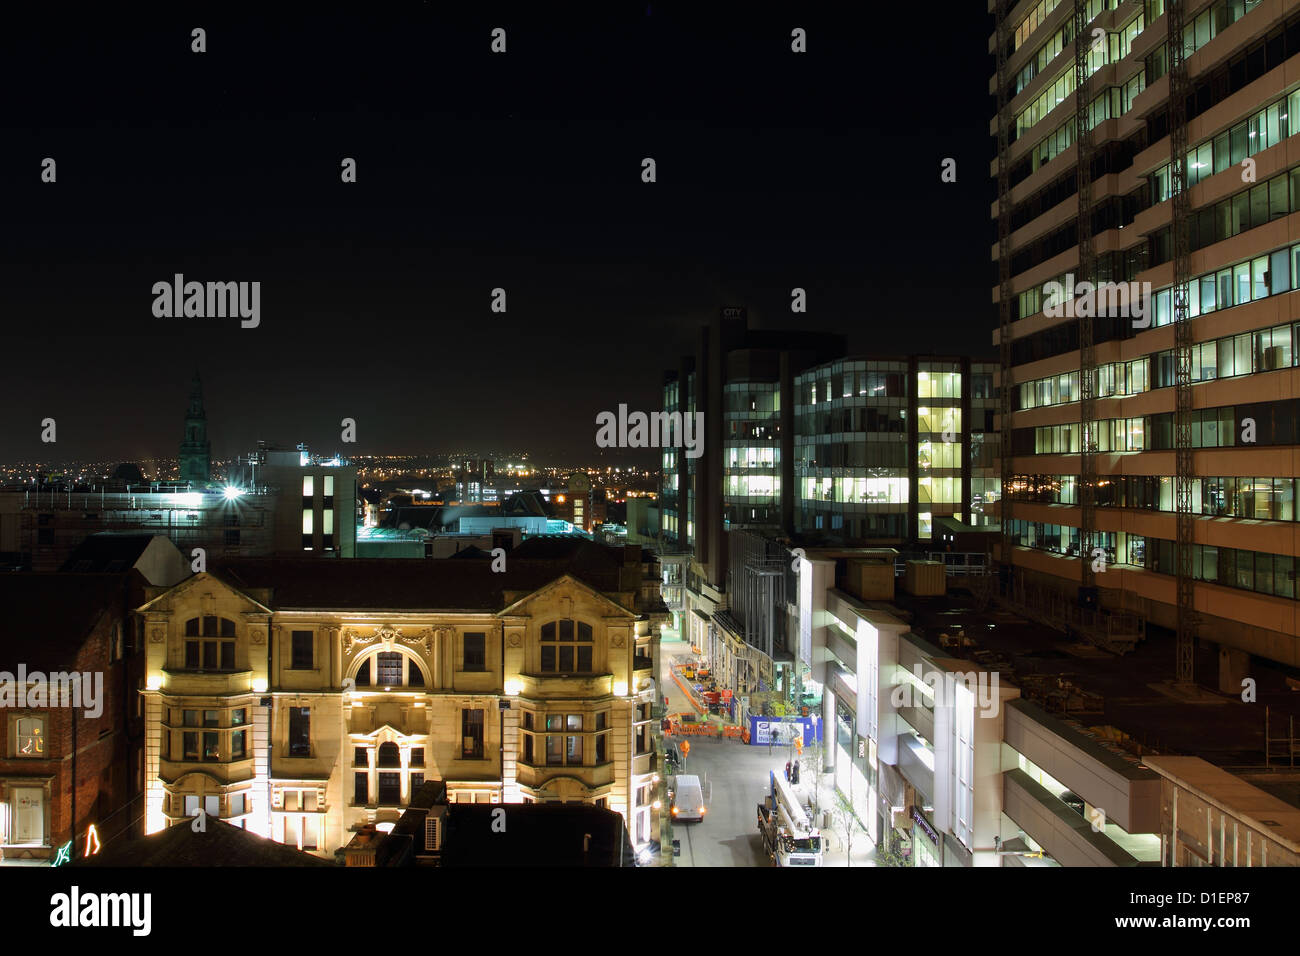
{"x": 474, "y": 171}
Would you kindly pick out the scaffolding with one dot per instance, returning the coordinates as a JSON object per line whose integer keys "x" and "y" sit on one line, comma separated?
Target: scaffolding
{"x": 1086, "y": 270}
{"x": 1116, "y": 631}
{"x": 1005, "y": 293}
{"x": 757, "y": 585}
{"x": 1184, "y": 468}
{"x": 1279, "y": 748}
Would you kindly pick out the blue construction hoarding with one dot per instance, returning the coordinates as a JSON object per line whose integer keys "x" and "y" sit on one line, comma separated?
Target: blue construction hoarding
{"x": 780, "y": 730}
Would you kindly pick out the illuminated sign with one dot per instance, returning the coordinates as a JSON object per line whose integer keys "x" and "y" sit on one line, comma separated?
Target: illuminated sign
{"x": 92, "y": 848}
{"x": 924, "y": 824}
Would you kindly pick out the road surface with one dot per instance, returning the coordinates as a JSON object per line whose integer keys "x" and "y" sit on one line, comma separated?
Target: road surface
{"x": 736, "y": 778}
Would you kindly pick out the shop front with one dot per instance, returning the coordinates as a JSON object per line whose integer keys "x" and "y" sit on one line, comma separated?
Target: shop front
{"x": 854, "y": 776}
{"x": 927, "y": 850}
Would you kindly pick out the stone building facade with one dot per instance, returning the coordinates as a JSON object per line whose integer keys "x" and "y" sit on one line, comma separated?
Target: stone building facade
{"x": 304, "y": 701}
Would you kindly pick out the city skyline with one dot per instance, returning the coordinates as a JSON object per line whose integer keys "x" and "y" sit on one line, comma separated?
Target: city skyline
{"x": 376, "y": 296}
{"x": 650, "y": 435}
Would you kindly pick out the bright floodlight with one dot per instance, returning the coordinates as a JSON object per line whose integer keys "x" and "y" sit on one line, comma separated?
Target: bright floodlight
{"x": 231, "y": 491}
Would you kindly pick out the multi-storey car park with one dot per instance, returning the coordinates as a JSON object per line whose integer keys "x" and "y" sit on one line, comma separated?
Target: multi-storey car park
{"x": 1149, "y": 464}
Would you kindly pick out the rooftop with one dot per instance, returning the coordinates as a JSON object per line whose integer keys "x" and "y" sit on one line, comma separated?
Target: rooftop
{"x": 107, "y": 552}
{"x": 535, "y": 835}
{"x": 220, "y": 844}
{"x": 1234, "y": 795}
{"x": 426, "y": 584}
{"x": 1133, "y": 695}
{"x": 47, "y": 616}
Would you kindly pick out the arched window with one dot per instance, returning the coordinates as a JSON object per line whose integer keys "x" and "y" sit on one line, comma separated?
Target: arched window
{"x": 566, "y": 647}
{"x": 389, "y": 756}
{"x": 390, "y": 669}
{"x": 209, "y": 644}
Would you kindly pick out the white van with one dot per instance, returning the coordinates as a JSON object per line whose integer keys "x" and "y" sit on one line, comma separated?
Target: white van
{"x": 688, "y": 798}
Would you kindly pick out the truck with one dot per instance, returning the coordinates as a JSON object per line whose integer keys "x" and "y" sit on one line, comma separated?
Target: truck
{"x": 788, "y": 834}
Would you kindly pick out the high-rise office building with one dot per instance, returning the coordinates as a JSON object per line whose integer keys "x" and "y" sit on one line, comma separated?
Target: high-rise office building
{"x": 742, "y": 381}
{"x": 800, "y": 440}
{"x": 1148, "y": 432}
{"x": 886, "y": 446}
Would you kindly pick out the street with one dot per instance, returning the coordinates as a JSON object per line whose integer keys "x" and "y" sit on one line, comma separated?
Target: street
{"x": 735, "y": 780}
{"x": 734, "y": 777}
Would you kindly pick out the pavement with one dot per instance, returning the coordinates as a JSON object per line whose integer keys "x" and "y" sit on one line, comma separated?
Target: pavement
{"x": 735, "y": 781}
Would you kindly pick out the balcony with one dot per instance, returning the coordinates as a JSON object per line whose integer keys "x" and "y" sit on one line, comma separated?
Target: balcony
{"x": 215, "y": 683}
{"x": 566, "y": 685}
{"x": 536, "y": 775}
{"x": 226, "y": 772}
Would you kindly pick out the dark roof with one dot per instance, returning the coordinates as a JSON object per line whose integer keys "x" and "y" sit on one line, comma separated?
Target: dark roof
{"x": 575, "y": 551}
{"x": 422, "y": 584}
{"x": 107, "y": 552}
{"x": 473, "y": 551}
{"x": 219, "y": 845}
{"x": 47, "y": 616}
{"x": 524, "y": 503}
{"x": 429, "y": 517}
{"x": 398, "y": 848}
{"x": 535, "y": 834}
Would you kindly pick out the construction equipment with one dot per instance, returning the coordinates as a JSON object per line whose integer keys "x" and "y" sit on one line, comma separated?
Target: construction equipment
{"x": 788, "y": 834}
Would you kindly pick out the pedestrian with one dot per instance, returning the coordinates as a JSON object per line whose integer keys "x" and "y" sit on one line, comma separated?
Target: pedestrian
{"x": 787, "y": 771}
{"x": 795, "y": 773}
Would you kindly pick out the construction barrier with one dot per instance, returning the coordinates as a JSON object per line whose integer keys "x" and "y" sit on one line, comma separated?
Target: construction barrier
{"x": 704, "y": 730}
{"x": 690, "y": 694}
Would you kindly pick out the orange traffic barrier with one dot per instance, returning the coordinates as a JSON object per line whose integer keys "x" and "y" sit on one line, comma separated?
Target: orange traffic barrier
{"x": 690, "y": 695}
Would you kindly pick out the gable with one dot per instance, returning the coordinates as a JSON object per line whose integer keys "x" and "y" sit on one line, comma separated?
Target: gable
{"x": 566, "y": 596}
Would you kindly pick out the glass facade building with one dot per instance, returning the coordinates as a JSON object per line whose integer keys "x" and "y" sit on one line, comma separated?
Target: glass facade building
{"x": 1242, "y": 219}
{"x": 751, "y": 447}
{"x": 883, "y": 447}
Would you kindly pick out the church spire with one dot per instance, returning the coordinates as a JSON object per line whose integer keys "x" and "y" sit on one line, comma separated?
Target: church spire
{"x": 196, "y": 398}
{"x": 195, "y": 457}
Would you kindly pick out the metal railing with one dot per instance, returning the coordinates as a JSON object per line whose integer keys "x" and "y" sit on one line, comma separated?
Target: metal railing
{"x": 955, "y": 562}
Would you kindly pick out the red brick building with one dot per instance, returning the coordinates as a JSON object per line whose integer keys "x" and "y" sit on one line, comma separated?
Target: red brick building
{"x": 76, "y": 621}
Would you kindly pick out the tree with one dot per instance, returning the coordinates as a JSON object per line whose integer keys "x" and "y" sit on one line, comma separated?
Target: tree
{"x": 846, "y": 823}
{"x": 887, "y": 853}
